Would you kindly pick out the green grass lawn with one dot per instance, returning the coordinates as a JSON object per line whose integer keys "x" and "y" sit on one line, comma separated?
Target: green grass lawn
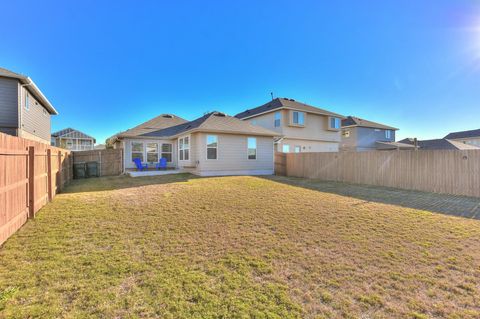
{"x": 236, "y": 247}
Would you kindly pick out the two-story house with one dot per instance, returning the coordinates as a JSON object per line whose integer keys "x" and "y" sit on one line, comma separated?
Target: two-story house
{"x": 24, "y": 110}
{"x": 471, "y": 137}
{"x": 304, "y": 128}
{"x": 73, "y": 140}
{"x": 362, "y": 135}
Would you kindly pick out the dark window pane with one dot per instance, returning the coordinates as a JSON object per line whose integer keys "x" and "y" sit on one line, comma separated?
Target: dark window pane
{"x": 187, "y": 155}
{"x": 152, "y": 157}
{"x": 181, "y": 155}
{"x": 137, "y": 155}
{"x": 211, "y": 153}
{"x": 167, "y": 148}
{"x": 168, "y": 156}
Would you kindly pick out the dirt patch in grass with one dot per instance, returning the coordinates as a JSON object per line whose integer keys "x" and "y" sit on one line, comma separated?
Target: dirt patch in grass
{"x": 176, "y": 246}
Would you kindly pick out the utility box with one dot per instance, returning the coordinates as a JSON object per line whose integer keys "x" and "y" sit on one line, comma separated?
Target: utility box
{"x": 92, "y": 169}
{"x": 79, "y": 170}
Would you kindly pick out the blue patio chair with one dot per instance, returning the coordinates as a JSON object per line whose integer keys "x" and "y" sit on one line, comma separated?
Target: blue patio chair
{"x": 139, "y": 165}
{"x": 162, "y": 164}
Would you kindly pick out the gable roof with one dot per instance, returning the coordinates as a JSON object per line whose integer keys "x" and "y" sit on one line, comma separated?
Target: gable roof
{"x": 284, "y": 103}
{"x": 352, "y": 121}
{"x": 157, "y": 123}
{"x": 32, "y": 87}
{"x": 464, "y": 134}
{"x": 72, "y": 133}
{"x": 440, "y": 144}
{"x": 212, "y": 122}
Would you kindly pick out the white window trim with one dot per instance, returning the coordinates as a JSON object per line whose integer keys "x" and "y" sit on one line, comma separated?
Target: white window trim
{"x": 332, "y": 128}
{"x": 188, "y": 148}
{"x": 388, "y": 134}
{"x": 147, "y": 152}
{"x": 256, "y": 149}
{"x": 206, "y": 148}
{"x": 27, "y": 101}
{"x": 279, "y": 119}
{"x": 292, "y": 118}
{"x": 171, "y": 152}
{"x": 131, "y": 151}
{"x": 295, "y": 149}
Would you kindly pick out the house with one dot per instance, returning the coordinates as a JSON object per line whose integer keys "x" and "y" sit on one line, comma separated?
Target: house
{"x": 304, "y": 128}
{"x": 362, "y": 135}
{"x": 471, "y": 137}
{"x": 73, "y": 140}
{"x": 439, "y": 144}
{"x": 24, "y": 110}
{"x": 214, "y": 144}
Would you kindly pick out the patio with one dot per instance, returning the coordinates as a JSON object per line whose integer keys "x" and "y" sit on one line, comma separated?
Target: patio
{"x": 154, "y": 172}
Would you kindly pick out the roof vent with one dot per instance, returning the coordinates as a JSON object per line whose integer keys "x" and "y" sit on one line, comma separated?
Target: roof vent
{"x": 219, "y": 114}
{"x": 292, "y": 100}
{"x": 167, "y": 116}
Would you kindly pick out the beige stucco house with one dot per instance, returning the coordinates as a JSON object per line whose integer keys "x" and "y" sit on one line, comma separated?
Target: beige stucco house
{"x": 24, "y": 110}
{"x": 304, "y": 128}
{"x": 214, "y": 144}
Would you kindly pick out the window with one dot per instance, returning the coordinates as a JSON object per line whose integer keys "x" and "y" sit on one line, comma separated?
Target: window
{"x": 298, "y": 118}
{"x": 167, "y": 152}
{"x": 152, "y": 152}
{"x": 278, "y": 118}
{"x": 286, "y": 148}
{"x": 184, "y": 148}
{"x": 297, "y": 149}
{"x": 388, "y": 134}
{"x": 137, "y": 151}
{"x": 69, "y": 144}
{"x": 334, "y": 123}
{"x": 212, "y": 147}
{"x": 252, "y": 148}
{"x": 27, "y": 101}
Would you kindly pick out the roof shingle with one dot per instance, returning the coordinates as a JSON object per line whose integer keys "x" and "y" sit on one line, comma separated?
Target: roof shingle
{"x": 284, "y": 103}
{"x": 464, "y": 134}
{"x": 356, "y": 121}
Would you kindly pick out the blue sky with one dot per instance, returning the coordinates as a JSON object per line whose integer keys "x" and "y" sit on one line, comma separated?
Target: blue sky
{"x": 108, "y": 66}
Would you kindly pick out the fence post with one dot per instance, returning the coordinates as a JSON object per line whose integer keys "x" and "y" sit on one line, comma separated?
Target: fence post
{"x": 60, "y": 172}
{"x": 31, "y": 182}
{"x": 49, "y": 175}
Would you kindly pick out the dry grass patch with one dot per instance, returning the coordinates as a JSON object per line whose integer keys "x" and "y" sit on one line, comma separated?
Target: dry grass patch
{"x": 236, "y": 247}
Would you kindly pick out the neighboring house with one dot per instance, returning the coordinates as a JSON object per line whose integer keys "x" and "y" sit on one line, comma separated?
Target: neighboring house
{"x": 304, "y": 128}
{"x": 24, "y": 110}
{"x": 214, "y": 144}
{"x": 471, "y": 137}
{"x": 439, "y": 144}
{"x": 362, "y": 135}
{"x": 73, "y": 140}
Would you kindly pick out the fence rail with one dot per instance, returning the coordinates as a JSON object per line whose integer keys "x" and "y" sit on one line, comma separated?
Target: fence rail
{"x": 31, "y": 174}
{"x": 440, "y": 171}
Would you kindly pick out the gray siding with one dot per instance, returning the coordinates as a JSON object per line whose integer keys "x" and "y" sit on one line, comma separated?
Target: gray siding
{"x": 363, "y": 138}
{"x": 35, "y": 121}
{"x": 8, "y": 104}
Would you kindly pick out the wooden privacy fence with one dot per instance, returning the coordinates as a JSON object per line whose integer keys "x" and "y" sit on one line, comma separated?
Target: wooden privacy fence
{"x": 440, "y": 171}
{"x": 31, "y": 174}
{"x": 110, "y": 161}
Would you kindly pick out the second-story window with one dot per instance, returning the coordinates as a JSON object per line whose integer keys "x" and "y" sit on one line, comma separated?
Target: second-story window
{"x": 27, "y": 101}
{"x": 278, "y": 118}
{"x": 335, "y": 123}
{"x": 298, "y": 118}
{"x": 388, "y": 134}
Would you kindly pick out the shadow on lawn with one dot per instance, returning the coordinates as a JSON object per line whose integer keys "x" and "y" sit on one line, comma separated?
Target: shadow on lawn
{"x": 124, "y": 181}
{"x": 462, "y": 206}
